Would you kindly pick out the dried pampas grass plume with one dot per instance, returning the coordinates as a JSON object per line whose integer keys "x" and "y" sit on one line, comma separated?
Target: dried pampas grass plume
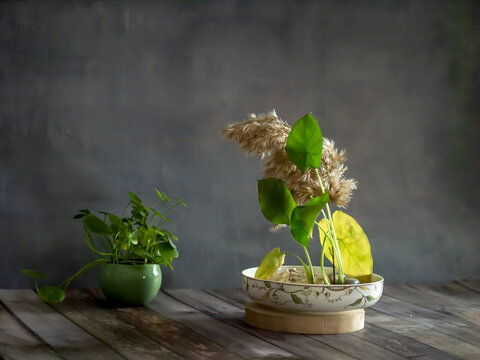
{"x": 265, "y": 135}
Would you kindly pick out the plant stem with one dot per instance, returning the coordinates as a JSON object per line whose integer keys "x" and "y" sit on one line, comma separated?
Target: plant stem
{"x": 87, "y": 267}
{"x": 312, "y": 276}
{"x": 92, "y": 248}
{"x": 341, "y": 275}
{"x": 333, "y": 265}
{"x": 324, "y": 274}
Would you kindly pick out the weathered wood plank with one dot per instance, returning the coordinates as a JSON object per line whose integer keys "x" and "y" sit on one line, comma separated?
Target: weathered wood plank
{"x": 427, "y": 298}
{"x": 458, "y": 300}
{"x": 105, "y": 326}
{"x": 356, "y": 347}
{"x": 174, "y": 336}
{"x": 233, "y": 296}
{"x": 424, "y": 334}
{"x": 421, "y": 340}
{"x": 472, "y": 284}
{"x": 449, "y": 325}
{"x": 371, "y": 349}
{"x": 18, "y": 343}
{"x": 297, "y": 344}
{"x": 231, "y": 338}
{"x": 400, "y": 344}
{"x": 66, "y": 338}
{"x": 455, "y": 290}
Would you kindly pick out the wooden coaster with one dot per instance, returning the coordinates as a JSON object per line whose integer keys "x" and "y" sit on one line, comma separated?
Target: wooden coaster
{"x": 304, "y": 323}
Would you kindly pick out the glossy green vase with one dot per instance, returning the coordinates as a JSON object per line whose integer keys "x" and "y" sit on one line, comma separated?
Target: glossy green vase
{"x": 131, "y": 284}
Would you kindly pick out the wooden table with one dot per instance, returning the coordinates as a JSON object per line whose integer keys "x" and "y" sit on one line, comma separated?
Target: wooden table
{"x": 422, "y": 322}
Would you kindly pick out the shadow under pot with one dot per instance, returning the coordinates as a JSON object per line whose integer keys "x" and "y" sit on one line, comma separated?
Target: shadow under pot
{"x": 131, "y": 284}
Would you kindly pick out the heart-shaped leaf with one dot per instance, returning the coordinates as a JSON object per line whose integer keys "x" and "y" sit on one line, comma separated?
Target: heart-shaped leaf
{"x": 305, "y": 143}
{"x": 303, "y": 219}
{"x": 270, "y": 264}
{"x": 276, "y": 200}
{"x": 51, "y": 294}
{"x": 353, "y": 245}
{"x": 96, "y": 225}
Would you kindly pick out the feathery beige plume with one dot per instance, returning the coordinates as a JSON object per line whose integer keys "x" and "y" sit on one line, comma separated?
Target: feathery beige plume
{"x": 265, "y": 135}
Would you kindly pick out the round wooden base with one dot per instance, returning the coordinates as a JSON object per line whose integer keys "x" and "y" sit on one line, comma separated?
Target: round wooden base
{"x": 304, "y": 323}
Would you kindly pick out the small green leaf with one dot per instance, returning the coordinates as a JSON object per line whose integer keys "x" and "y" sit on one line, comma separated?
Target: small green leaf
{"x": 160, "y": 215}
{"x": 51, "y": 294}
{"x": 163, "y": 196}
{"x": 356, "y": 302}
{"x": 370, "y": 298}
{"x": 270, "y": 264}
{"x": 134, "y": 198}
{"x": 34, "y": 273}
{"x": 267, "y": 284}
{"x": 143, "y": 254}
{"x": 132, "y": 238}
{"x": 296, "y": 299}
{"x": 96, "y": 225}
{"x": 304, "y": 143}
{"x": 180, "y": 202}
{"x": 276, "y": 200}
{"x": 303, "y": 219}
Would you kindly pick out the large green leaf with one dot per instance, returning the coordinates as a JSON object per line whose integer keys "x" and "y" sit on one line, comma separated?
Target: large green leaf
{"x": 51, "y": 294}
{"x": 96, "y": 225}
{"x": 304, "y": 143}
{"x": 353, "y": 245}
{"x": 276, "y": 201}
{"x": 303, "y": 219}
{"x": 270, "y": 264}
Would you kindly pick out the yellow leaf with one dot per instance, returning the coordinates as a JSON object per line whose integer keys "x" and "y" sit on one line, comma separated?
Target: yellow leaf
{"x": 270, "y": 264}
{"x": 353, "y": 245}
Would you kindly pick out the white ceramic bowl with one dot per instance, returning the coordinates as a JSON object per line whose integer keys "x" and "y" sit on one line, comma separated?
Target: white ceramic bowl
{"x": 311, "y": 297}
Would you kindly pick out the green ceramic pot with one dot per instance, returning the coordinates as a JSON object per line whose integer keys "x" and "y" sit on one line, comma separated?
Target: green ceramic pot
{"x": 132, "y": 284}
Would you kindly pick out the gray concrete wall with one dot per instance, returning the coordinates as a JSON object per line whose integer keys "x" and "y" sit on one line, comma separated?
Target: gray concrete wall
{"x": 97, "y": 99}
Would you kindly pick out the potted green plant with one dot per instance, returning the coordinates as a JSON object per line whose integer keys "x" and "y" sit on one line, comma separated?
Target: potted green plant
{"x": 130, "y": 248}
{"x": 303, "y": 178}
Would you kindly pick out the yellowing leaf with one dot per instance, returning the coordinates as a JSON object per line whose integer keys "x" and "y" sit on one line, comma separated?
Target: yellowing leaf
{"x": 353, "y": 245}
{"x": 270, "y": 264}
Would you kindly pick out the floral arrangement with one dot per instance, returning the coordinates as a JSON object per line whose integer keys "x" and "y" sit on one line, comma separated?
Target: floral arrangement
{"x": 303, "y": 175}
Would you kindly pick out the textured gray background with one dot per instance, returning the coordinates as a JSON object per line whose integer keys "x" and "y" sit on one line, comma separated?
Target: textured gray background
{"x": 97, "y": 99}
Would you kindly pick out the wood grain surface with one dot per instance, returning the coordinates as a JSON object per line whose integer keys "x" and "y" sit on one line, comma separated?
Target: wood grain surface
{"x": 438, "y": 321}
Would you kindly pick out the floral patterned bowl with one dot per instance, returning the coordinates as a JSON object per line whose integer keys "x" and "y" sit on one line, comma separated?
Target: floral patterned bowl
{"x": 311, "y": 297}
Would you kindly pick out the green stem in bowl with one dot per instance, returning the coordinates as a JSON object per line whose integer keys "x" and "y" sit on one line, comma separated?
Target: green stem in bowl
{"x": 310, "y": 274}
{"x": 324, "y": 274}
{"x": 341, "y": 275}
